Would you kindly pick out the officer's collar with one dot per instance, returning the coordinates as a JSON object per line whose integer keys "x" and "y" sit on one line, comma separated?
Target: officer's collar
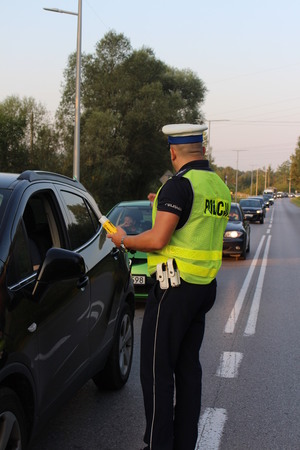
{"x": 197, "y": 164}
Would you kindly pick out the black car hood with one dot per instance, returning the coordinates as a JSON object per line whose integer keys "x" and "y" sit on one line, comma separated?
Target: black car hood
{"x": 234, "y": 225}
{"x": 251, "y": 208}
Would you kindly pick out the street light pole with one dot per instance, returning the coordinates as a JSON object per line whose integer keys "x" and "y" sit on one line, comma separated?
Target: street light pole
{"x": 76, "y": 153}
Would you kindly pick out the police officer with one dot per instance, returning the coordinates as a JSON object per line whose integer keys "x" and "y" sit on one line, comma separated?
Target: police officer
{"x": 190, "y": 213}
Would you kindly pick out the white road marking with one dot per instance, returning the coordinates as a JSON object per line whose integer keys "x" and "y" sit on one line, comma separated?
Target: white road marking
{"x": 252, "y": 319}
{"x": 229, "y": 364}
{"x": 234, "y": 315}
{"x": 210, "y": 428}
{"x": 212, "y": 421}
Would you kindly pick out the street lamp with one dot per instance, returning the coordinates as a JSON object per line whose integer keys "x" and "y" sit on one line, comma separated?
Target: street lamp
{"x": 76, "y": 154}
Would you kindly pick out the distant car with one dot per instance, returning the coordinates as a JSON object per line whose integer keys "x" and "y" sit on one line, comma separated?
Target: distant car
{"x": 253, "y": 209}
{"x": 262, "y": 202}
{"x": 266, "y": 199}
{"x": 66, "y": 301}
{"x": 269, "y": 198}
{"x": 236, "y": 240}
{"x": 135, "y": 217}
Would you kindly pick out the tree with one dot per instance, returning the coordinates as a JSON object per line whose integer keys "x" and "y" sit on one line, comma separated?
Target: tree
{"x": 27, "y": 137}
{"x": 127, "y": 96}
{"x": 282, "y": 176}
{"x": 13, "y": 153}
{"x": 295, "y": 168}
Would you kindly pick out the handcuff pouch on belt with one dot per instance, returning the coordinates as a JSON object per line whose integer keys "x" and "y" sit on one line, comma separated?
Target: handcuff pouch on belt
{"x": 168, "y": 273}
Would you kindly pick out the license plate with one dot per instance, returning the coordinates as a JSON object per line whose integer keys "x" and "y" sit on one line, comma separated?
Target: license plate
{"x": 248, "y": 216}
{"x": 139, "y": 279}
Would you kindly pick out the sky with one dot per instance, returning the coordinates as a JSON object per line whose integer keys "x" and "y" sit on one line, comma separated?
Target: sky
{"x": 245, "y": 52}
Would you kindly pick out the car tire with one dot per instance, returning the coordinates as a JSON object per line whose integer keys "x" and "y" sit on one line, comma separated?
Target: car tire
{"x": 243, "y": 254}
{"x": 248, "y": 247}
{"x": 117, "y": 369}
{"x": 13, "y": 432}
{"x": 262, "y": 219}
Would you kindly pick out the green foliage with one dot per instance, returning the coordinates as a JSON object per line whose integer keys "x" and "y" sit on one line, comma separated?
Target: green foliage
{"x": 27, "y": 138}
{"x": 295, "y": 168}
{"x": 127, "y": 96}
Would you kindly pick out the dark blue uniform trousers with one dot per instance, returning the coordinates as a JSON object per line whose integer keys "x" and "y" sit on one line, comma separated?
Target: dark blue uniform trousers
{"x": 172, "y": 334}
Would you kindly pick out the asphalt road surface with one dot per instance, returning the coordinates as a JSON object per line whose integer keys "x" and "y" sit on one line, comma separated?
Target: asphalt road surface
{"x": 250, "y": 359}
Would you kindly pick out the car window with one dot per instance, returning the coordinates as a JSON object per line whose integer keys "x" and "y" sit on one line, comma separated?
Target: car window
{"x": 84, "y": 224}
{"x": 133, "y": 219}
{"x": 4, "y": 195}
{"x": 234, "y": 214}
{"x": 253, "y": 203}
{"x": 20, "y": 264}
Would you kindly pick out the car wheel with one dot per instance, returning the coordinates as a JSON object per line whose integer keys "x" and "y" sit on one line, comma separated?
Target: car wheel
{"x": 262, "y": 219}
{"x": 116, "y": 372}
{"x": 248, "y": 247}
{"x": 12, "y": 421}
{"x": 243, "y": 254}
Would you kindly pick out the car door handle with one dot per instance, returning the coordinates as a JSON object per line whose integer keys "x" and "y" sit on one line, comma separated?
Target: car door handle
{"x": 32, "y": 328}
{"x": 115, "y": 252}
{"x": 82, "y": 282}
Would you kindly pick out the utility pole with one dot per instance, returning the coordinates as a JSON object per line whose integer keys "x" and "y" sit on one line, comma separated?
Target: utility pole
{"x": 236, "y": 172}
{"x": 209, "y": 129}
{"x": 251, "y": 185}
{"x": 266, "y": 171}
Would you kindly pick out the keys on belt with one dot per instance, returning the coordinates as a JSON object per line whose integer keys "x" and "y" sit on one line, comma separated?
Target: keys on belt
{"x": 167, "y": 273}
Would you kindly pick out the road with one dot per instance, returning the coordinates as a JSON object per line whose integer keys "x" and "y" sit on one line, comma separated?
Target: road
{"x": 250, "y": 359}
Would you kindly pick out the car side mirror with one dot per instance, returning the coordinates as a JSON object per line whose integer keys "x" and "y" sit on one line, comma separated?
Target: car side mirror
{"x": 59, "y": 265}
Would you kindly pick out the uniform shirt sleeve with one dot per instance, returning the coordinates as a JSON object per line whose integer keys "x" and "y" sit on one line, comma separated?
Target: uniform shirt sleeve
{"x": 176, "y": 197}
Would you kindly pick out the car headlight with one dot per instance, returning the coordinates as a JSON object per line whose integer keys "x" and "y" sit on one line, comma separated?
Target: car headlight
{"x": 233, "y": 234}
{"x": 259, "y": 211}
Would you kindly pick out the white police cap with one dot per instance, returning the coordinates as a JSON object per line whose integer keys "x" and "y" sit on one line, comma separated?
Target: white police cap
{"x": 184, "y": 133}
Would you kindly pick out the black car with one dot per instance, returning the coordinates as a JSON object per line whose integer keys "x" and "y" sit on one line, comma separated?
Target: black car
{"x": 236, "y": 240}
{"x": 263, "y": 203}
{"x": 253, "y": 209}
{"x": 269, "y": 199}
{"x": 66, "y": 301}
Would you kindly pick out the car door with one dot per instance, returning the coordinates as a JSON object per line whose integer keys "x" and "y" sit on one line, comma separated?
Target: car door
{"x": 57, "y": 319}
{"x": 105, "y": 268}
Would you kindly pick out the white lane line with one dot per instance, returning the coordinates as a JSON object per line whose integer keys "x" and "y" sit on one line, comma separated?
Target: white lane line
{"x": 229, "y": 364}
{"x": 231, "y": 322}
{"x": 252, "y": 319}
{"x": 210, "y": 428}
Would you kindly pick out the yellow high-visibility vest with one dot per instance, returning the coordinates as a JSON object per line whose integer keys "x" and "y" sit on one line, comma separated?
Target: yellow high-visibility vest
{"x": 197, "y": 246}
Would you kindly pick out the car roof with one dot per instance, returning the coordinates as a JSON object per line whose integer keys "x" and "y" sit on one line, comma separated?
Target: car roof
{"x": 8, "y": 179}
{"x": 134, "y": 203}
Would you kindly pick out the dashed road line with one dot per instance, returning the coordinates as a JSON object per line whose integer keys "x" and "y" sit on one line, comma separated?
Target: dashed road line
{"x": 229, "y": 364}
{"x": 210, "y": 428}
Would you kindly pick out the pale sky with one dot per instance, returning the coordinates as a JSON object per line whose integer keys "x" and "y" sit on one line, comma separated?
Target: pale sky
{"x": 246, "y": 53}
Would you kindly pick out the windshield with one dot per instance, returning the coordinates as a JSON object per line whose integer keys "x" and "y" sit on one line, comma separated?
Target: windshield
{"x": 234, "y": 214}
{"x": 4, "y": 196}
{"x": 134, "y": 219}
{"x": 250, "y": 203}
